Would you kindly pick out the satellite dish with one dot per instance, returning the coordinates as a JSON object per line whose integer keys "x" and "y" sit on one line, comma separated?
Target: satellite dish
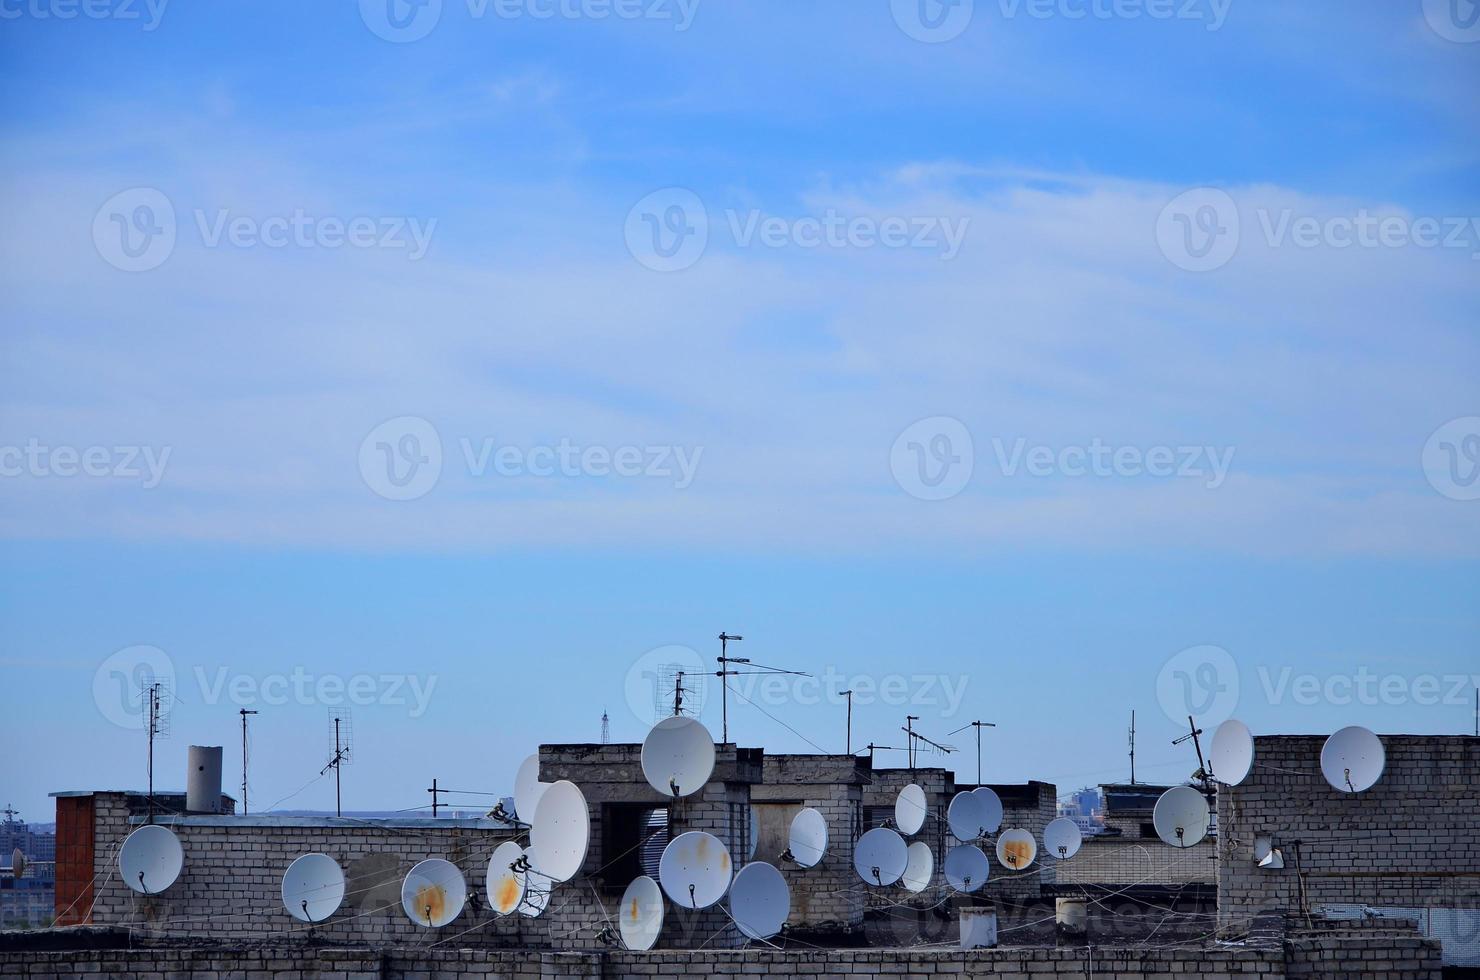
{"x": 641, "y": 914}
{"x": 967, "y": 867}
{"x": 313, "y": 887}
{"x": 759, "y": 900}
{"x": 561, "y": 831}
{"x": 755, "y": 833}
{"x": 678, "y": 756}
{"x": 150, "y": 859}
{"x": 1352, "y": 760}
{"x": 17, "y": 863}
{"x": 965, "y": 816}
{"x": 528, "y": 789}
{"x": 433, "y": 893}
{"x": 880, "y": 856}
{"x": 537, "y": 889}
{"x": 910, "y": 810}
{"x": 1181, "y": 816}
{"x": 695, "y": 870}
{"x": 918, "y": 868}
{"x": 991, "y": 812}
{"x": 1232, "y": 753}
{"x": 1016, "y": 849}
{"x": 808, "y": 838}
{"x": 1062, "y": 838}
{"x": 505, "y": 884}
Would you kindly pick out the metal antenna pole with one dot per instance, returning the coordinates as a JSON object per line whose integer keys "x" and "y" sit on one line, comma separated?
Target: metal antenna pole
{"x": 338, "y": 806}
{"x": 244, "y": 712}
{"x": 678, "y": 693}
{"x": 909, "y": 739}
{"x": 1133, "y": 745}
{"x": 724, "y": 684}
{"x": 849, "y": 738}
{"x": 153, "y": 730}
{"x": 978, "y": 725}
{"x": 1204, "y": 775}
{"x": 433, "y": 790}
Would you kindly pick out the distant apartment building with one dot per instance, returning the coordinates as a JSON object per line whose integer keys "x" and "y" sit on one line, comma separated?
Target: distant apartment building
{"x": 26, "y": 901}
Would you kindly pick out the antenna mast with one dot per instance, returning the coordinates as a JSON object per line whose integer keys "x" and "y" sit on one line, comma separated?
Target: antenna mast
{"x": 724, "y": 673}
{"x": 155, "y": 693}
{"x": 343, "y": 737}
{"x": 848, "y": 743}
{"x": 1133, "y": 745}
{"x": 606, "y": 728}
{"x": 978, "y": 725}
{"x": 1204, "y": 771}
{"x": 244, "y": 712}
{"x": 914, "y": 739}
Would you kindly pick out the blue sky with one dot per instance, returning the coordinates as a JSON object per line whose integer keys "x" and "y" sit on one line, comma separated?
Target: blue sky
{"x": 828, "y": 440}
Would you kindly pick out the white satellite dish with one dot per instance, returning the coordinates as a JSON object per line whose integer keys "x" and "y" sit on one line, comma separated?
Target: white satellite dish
{"x": 640, "y": 918}
{"x": 151, "y": 859}
{"x": 528, "y": 789}
{"x": 1232, "y": 753}
{"x": 966, "y": 867}
{"x": 536, "y": 898}
{"x": 678, "y": 756}
{"x": 695, "y": 870}
{"x": 313, "y": 887}
{"x": 759, "y": 900}
{"x": 910, "y": 809}
{"x": 918, "y": 868}
{"x": 1181, "y": 816}
{"x": 755, "y": 834}
{"x": 1062, "y": 838}
{"x": 1016, "y": 849}
{"x": 807, "y": 841}
{"x": 965, "y": 816}
{"x": 433, "y": 893}
{"x": 880, "y": 856}
{"x": 505, "y": 884}
{"x": 1353, "y": 759}
{"x": 561, "y": 832}
{"x": 991, "y": 809}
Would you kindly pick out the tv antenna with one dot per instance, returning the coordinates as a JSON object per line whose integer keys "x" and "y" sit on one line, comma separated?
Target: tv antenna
{"x": 848, "y": 736}
{"x": 244, "y": 712}
{"x": 725, "y": 672}
{"x": 606, "y": 728}
{"x": 1133, "y": 745}
{"x": 678, "y": 692}
{"x": 978, "y": 725}
{"x": 343, "y": 742}
{"x": 1204, "y": 773}
{"x": 882, "y": 748}
{"x": 915, "y": 738}
{"x": 157, "y": 693}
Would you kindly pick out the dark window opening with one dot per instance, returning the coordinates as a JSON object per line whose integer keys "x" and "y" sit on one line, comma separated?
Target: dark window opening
{"x": 633, "y": 836}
